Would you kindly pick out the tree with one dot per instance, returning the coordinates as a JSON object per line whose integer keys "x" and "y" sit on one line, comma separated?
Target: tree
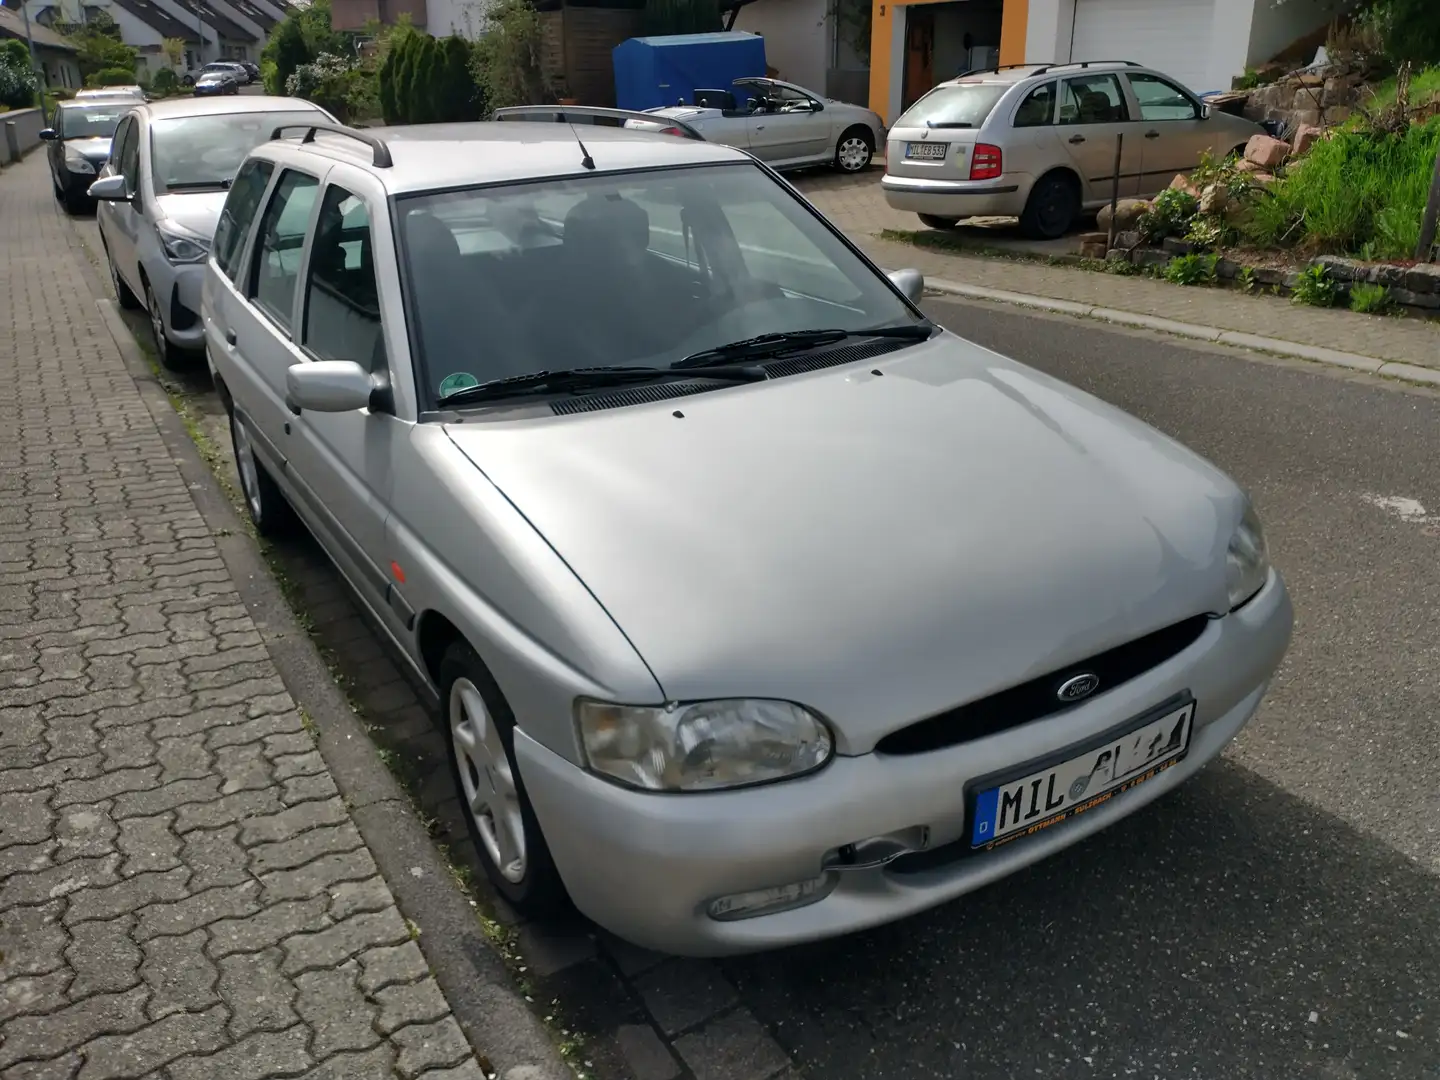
{"x": 286, "y": 49}
{"x": 174, "y": 50}
{"x": 506, "y": 61}
{"x": 18, "y": 81}
{"x": 459, "y": 97}
{"x": 302, "y": 37}
{"x": 99, "y": 47}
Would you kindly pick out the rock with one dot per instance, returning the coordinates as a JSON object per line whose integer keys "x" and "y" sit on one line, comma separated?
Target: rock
{"x": 1264, "y": 178}
{"x": 1247, "y": 166}
{"x": 1128, "y": 239}
{"x": 1093, "y": 238}
{"x": 1423, "y": 279}
{"x": 1265, "y": 275}
{"x": 1338, "y": 114}
{"x": 1265, "y": 151}
{"x": 1341, "y": 269}
{"x": 1392, "y": 277}
{"x": 1214, "y": 199}
{"x": 1428, "y": 301}
{"x": 1175, "y": 246}
{"x": 1094, "y": 250}
{"x": 1338, "y": 91}
{"x": 1151, "y": 257}
{"x": 1117, "y": 255}
{"x": 1127, "y": 213}
{"x": 1305, "y": 117}
{"x": 1310, "y": 80}
{"x": 1227, "y": 269}
{"x": 1306, "y": 136}
{"x": 1182, "y": 183}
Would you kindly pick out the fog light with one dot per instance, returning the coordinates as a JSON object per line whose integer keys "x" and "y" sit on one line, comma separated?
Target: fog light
{"x": 748, "y": 905}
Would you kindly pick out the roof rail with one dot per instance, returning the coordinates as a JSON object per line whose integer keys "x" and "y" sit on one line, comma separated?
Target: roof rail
{"x": 379, "y": 152}
{"x": 1086, "y": 64}
{"x": 568, "y": 114}
{"x": 993, "y": 70}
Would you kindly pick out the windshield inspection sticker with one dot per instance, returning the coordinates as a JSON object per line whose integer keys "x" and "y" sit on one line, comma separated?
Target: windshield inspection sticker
{"x": 459, "y": 381}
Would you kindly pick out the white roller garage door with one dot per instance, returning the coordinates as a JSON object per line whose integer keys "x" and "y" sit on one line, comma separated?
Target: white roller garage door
{"x": 1171, "y": 36}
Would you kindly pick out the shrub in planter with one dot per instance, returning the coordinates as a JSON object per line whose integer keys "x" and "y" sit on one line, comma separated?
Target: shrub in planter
{"x": 1169, "y": 215}
{"x": 113, "y": 76}
{"x": 165, "y": 82}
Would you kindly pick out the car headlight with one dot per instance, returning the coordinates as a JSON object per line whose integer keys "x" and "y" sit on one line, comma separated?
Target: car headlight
{"x": 1247, "y": 562}
{"x": 183, "y": 247}
{"x": 76, "y": 163}
{"x": 704, "y": 746}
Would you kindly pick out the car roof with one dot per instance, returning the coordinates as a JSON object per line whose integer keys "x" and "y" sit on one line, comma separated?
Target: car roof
{"x": 434, "y": 157}
{"x": 208, "y": 106}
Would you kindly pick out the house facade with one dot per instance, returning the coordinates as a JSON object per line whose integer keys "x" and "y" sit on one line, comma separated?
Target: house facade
{"x": 55, "y": 53}
{"x": 1204, "y": 44}
{"x": 812, "y": 43}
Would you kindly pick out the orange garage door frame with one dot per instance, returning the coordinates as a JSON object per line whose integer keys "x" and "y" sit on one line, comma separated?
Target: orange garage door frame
{"x": 887, "y": 26}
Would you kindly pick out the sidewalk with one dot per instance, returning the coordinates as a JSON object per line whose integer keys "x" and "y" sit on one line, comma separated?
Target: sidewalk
{"x": 182, "y": 885}
{"x": 859, "y": 209}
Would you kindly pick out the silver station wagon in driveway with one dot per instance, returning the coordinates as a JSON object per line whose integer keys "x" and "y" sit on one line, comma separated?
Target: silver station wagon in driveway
{"x": 759, "y": 608}
{"x": 1038, "y": 143}
{"x": 785, "y": 126}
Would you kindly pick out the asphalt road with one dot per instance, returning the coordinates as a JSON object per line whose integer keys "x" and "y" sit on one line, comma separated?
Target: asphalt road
{"x": 1279, "y": 916}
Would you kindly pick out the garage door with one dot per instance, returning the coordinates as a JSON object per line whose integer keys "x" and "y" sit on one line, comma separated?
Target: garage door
{"x": 1171, "y": 36}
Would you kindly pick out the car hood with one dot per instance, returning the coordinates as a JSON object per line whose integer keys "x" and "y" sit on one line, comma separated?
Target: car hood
{"x": 95, "y": 149}
{"x": 198, "y": 211}
{"x": 879, "y": 547}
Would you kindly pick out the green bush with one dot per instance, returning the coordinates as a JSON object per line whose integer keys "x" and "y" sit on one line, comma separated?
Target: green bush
{"x": 1410, "y": 29}
{"x": 1358, "y": 193}
{"x": 506, "y": 61}
{"x": 1315, "y": 288}
{"x": 1169, "y": 215}
{"x": 1370, "y": 299}
{"x": 115, "y": 76}
{"x": 18, "y": 82}
{"x": 1191, "y": 269}
{"x": 165, "y": 82}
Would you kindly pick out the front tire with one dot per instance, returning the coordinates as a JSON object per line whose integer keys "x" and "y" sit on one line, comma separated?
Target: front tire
{"x": 854, "y": 150}
{"x": 269, "y": 512}
{"x": 933, "y": 222}
{"x": 172, "y": 357}
{"x": 498, "y": 814}
{"x": 1051, "y": 210}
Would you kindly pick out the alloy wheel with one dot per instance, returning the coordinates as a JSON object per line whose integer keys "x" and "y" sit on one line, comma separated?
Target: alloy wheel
{"x": 491, "y": 796}
{"x": 854, "y": 154}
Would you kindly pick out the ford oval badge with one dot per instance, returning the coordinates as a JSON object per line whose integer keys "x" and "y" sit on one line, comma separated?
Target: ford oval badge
{"x": 1078, "y": 688}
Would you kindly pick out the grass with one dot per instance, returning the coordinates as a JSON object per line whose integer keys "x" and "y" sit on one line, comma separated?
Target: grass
{"x": 1358, "y": 194}
{"x": 1424, "y": 85}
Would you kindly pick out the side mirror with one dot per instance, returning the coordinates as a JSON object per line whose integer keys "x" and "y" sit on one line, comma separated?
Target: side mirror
{"x": 48, "y": 135}
{"x": 817, "y": 106}
{"x": 110, "y": 189}
{"x": 1204, "y": 112}
{"x": 910, "y": 282}
{"x": 327, "y": 386}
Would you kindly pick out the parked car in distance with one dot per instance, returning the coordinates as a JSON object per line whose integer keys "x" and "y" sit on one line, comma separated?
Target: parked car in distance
{"x": 234, "y": 67}
{"x": 253, "y": 70}
{"x": 759, "y": 607}
{"x": 111, "y": 93}
{"x": 785, "y": 126}
{"x": 159, "y": 195}
{"x": 1038, "y": 142}
{"x": 213, "y": 83}
{"x": 79, "y": 145}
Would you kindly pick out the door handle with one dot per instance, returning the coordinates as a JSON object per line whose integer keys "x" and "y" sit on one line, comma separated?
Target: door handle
{"x": 1077, "y": 138}
{"x": 230, "y": 337}
{"x": 759, "y": 127}
{"x": 1152, "y": 134}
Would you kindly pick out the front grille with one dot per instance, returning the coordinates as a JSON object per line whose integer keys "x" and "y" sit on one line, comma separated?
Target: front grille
{"x": 1037, "y": 698}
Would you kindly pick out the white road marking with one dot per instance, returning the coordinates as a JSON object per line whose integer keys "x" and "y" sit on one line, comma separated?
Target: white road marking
{"x": 1408, "y": 510}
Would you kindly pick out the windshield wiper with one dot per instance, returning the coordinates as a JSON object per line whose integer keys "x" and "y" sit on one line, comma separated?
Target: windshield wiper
{"x": 197, "y": 185}
{"x": 792, "y": 341}
{"x": 588, "y": 378}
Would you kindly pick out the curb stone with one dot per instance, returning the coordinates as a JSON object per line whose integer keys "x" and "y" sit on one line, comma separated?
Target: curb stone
{"x": 509, "y": 1040}
{"x": 1333, "y": 357}
{"x": 601, "y": 985}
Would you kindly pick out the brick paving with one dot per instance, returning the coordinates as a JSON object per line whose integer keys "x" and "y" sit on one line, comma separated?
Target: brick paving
{"x": 183, "y": 894}
{"x": 856, "y": 204}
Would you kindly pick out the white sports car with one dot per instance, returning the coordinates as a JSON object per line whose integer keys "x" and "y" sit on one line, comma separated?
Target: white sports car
{"x": 785, "y": 126}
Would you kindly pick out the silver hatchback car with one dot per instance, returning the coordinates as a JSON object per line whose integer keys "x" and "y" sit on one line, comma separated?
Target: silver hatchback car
{"x": 159, "y": 195}
{"x": 758, "y": 607}
{"x": 1038, "y": 143}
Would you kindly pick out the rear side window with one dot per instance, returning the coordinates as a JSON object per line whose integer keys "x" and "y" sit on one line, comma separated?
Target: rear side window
{"x": 1093, "y": 99}
{"x": 961, "y": 105}
{"x": 241, "y": 205}
{"x": 281, "y": 242}
{"x": 1038, "y": 108}
{"x": 342, "y": 300}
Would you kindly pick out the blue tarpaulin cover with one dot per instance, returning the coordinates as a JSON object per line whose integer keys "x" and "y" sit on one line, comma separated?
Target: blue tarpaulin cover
{"x": 652, "y": 72}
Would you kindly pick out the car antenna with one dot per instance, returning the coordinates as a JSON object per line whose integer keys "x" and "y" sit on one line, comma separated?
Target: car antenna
{"x": 586, "y": 162}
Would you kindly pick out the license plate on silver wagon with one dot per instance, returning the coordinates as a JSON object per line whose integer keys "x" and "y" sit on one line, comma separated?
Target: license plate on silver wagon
{"x": 1027, "y": 804}
{"x": 926, "y": 151}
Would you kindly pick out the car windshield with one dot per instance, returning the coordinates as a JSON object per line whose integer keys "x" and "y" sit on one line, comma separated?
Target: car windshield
{"x": 622, "y": 269}
{"x": 189, "y": 152}
{"x": 960, "y": 105}
{"x": 92, "y": 121}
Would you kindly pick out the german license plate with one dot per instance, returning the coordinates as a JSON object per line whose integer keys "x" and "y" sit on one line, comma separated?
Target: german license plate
{"x": 926, "y": 151}
{"x": 1024, "y": 806}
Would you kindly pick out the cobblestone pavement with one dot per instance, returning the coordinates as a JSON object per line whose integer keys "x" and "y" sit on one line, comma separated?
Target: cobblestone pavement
{"x": 183, "y": 893}
{"x": 856, "y": 204}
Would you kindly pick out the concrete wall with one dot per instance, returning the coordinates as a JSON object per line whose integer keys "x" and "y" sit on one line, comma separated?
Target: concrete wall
{"x": 1275, "y": 26}
{"x": 797, "y": 38}
{"x": 27, "y": 124}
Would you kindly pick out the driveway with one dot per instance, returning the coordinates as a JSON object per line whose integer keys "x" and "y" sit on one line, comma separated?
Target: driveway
{"x": 1278, "y": 917}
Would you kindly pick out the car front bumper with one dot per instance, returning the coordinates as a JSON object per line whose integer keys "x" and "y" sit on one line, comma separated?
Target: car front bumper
{"x": 1004, "y": 197}
{"x": 178, "y": 288}
{"x": 646, "y": 866}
